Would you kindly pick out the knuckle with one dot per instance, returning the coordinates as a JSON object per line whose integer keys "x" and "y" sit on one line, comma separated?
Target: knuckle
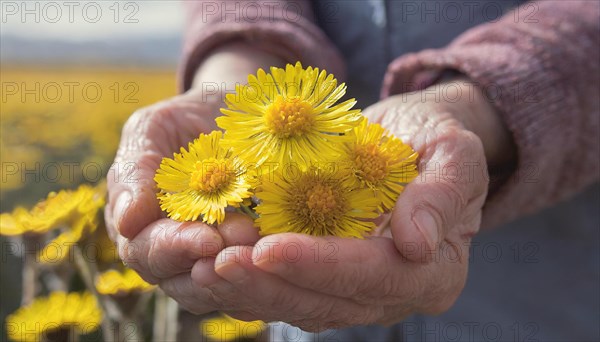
{"x": 146, "y": 122}
{"x": 188, "y": 302}
{"x": 224, "y": 296}
{"x": 158, "y": 264}
{"x": 133, "y": 121}
{"x": 129, "y": 252}
{"x": 222, "y": 299}
{"x": 141, "y": 118}
{"x": 214, "y": 298}
{"x": 472, "y": 143}
{"x": 174, "y": 288}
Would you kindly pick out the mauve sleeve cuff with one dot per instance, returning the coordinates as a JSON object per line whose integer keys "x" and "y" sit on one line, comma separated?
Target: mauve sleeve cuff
{"x": 544, "y": 80}
{"x": 292, "y": 40}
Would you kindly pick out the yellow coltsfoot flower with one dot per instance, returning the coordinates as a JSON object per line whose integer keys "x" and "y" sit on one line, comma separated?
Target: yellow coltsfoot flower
{"x": 113, "y": 282}
{"x": 56, "y": 316}
{"x": 381, "y": 162}
{"x": 315, "y": 202}
{"x": 201, "y": 181}
{"x": 80, "y": 220}
{"x": 74, "y": 213}
{"x": 58, "y": 209}
{"x": 226, "y": 328}
{"x": 288, "y": 116}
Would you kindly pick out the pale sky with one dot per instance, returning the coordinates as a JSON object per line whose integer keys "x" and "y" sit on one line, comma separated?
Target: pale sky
{"x": 90, "y": 20}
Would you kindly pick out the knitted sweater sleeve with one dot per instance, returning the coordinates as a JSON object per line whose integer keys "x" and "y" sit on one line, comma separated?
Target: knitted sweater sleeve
{"x": 284, "y": 28}
{"x": 540, "y": 64}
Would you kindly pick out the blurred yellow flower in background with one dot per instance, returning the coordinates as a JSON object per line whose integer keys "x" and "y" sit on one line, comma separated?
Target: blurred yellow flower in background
{"x": 64, "y": 130}
{"x": 380, "y": 161}
{"x": 289, "y": 115}
{"x": 12, "y": 224}
{"x": 58, "y": 209}
{"x": 74, "y": 312}
{"x": 73, "y": 212}
{"x": 107, "y": 250}
{"x": 226, "y": 328}
{"x": 113, "y": 282}
{"x": 79, "y": 215}
{"x": 201, "y": 181}
{"x": 315, "y": 202}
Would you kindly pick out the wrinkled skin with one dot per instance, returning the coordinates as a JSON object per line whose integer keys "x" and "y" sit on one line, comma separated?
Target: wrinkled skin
{"x": 418, "y": 265}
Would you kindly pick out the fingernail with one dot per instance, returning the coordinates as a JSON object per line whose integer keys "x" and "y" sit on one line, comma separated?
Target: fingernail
{"x": 121, "y": 205}
{"x": 427, "y": 226}
{"x": 232, "y": 272}
{"x": 271, "y": 265}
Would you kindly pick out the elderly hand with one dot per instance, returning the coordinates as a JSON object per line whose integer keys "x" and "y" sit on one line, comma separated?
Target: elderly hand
{"x": 316, "y": 283}
{"x": 150, "y": 243}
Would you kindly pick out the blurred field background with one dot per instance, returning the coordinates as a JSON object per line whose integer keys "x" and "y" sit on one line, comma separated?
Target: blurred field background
{"x": 67, "y": 129}
{"x": 67, "y": 87}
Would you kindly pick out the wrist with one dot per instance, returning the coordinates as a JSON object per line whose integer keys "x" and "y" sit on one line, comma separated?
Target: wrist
{"x": 478, "y": 114}
{"x": 227, "y": 66}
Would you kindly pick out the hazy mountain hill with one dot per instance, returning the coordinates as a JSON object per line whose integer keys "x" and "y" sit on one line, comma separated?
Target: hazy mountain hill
{"x": 162, "y": 51}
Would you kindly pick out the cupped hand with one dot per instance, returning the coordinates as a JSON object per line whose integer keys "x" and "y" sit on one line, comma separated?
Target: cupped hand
{"x": 419, "y": 265}
{"x": 155, "y": 246}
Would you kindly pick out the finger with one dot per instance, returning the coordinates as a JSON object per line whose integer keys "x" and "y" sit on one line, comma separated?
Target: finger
{"x": 203, "y": 290}
{"x": 166, "y": 248}
{"x": 272, "y": 298}
{"x": 147, "y": 136}
{"x": 185, "y": 292}
{"x": 238, "y": 229}
{"x": 370, "y": 271}
{"x": 447, "y": 196}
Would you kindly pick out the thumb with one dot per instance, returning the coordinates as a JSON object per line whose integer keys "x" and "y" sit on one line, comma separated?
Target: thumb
{"x": 443, "y": 204}
{"x": 148, "y": 135}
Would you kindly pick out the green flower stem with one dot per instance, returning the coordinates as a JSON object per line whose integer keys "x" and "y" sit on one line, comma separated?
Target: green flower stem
{"x": 165, "y": 318}
{"x": 135, "y": 316}
{"x": 30, "y": 268}
{"x": 173, "y": 320}
{"x": 160, "y": 316}
{"x": 249, "y": 211}
{"x": 56, "y": 277}
{"x": 87, "y": 270}
{"x": 73, "y": 335}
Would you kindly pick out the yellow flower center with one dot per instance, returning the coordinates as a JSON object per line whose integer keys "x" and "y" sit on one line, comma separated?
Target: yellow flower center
{"x": 211, "y": 175}
{"x": 319, "y": 205}
{"x": 371, "y": 165}
{"x": 321, "y": 199}
{"x": 289, "y": 117}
